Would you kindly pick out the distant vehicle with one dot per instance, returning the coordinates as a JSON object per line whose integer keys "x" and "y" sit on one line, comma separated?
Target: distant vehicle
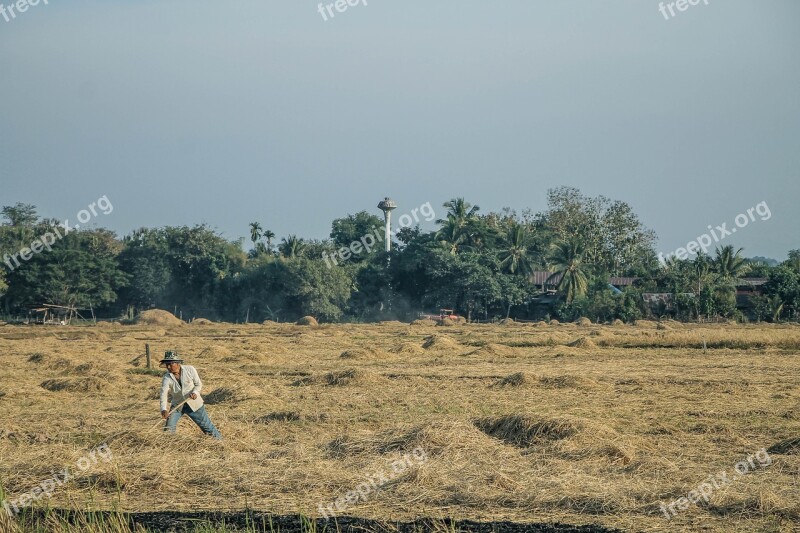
{"x": 443, "y": 313}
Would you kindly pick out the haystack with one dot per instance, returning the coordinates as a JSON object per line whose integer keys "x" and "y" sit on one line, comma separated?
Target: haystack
{"x": 440, "y": 342}
{"x": 158, "y": 317}
{"x": 217, "y": 352}
{"x": 617, "y": 322}
{"x": 524, "y": 431}
{"x": 568, "y": 382}
{"x": 518, "y": 379}
{"x": 554, "y": 322}
{"x": 507, "y": 322}
{"x": 430, "y": 439}
{"x": 569, "y": 437}
{"x": 201, "y": 322}
{"x": 270, "y": 323}
{"x": 342, "y": 378}
{"x": 280, "y": 416}
{"x": 232, "y": 395}
{"x": 90, "y": 384}
{"x": 446, "y": 322}
{"x": 307, "y": 321}
{"x": 364, "y": 354}
{"x": 583, "y": 321}
{"x": 494, "y": 349}
{"x": 423, "y": 322}
{"x": 408, "y": 348}
{"x": 526, "y": 379}
{"x": 787, "y": 446}
{"x": 584, "y": 343}
{"x": 391, "y": 323}
{"x": 50, "y": 362}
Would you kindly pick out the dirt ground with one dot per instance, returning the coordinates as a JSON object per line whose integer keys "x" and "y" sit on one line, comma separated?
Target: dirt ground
{"x": 516, "y": 422}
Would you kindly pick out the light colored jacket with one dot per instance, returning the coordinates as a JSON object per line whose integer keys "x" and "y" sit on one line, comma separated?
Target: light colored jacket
{"x": 190, "y": 382}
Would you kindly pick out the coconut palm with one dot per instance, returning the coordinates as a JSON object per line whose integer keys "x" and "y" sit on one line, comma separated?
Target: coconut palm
{"x": 268, "y": 235}
{"x": 255, "y": 232}
{"x": 452, "y": 234}
{"x": 516, "y": 257}
{"x": 457, "y": 229}
{"x": 291, "y": 246}
{"x": 730, "y": 266}
{"x": 461, "y": 211}
{"x": 567, "y": 260}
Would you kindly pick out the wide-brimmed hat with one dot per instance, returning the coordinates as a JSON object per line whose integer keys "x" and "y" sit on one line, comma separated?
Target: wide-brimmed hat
{"x": 170, "y": 357}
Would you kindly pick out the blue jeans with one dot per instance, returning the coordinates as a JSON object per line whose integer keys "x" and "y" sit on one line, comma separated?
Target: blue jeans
{"x": 200, "y": 417}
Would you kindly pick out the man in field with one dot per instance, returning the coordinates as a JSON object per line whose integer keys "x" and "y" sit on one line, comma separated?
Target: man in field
{"x": 184, "y": 383}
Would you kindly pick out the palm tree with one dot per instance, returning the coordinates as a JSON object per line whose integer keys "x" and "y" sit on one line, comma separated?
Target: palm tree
{"x": 794, "y": 260}
{"x": 255, "y": 232}
{"x": 567, "y": 260}
{"x": 451, "y": 234}
{"x": 455, "y": 230}
{"x": 730, "y": 266}
{"x": 516, "y": 257}
{"x": 461, "y": 210}
{"x": 291, "y": 246}
{"x": 269, "y": 235}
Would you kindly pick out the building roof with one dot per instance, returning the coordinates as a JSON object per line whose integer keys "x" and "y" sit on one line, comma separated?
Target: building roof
{"x": 753, "y": 282}
{"x": 540, "y": 277}
{"x": 622, "y": 281}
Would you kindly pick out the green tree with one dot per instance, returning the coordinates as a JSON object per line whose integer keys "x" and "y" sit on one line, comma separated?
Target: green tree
{"x": 80, "y": 271}
{"x": 730, "y": 266}
{"x": 20, "y": 214}
{"x": 794, "y": 261}
{"x": 255, "y": 232}
{"x": 291, "y": 246}
{"x": 458, "y": 228}
{"x": 515, "y": 257}
{"x": 568, "y": 263}
{"x": 464, "y": 282}
{"x": 352, "y": 228}
{"x": 145, "y": 257}
{"x": 784, "y": 284}
{"x": 611, "y": 234}
{"x": 268, "y": 235}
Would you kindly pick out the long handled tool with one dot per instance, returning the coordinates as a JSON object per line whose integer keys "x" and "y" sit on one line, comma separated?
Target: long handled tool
{"x": 168, "y": 414}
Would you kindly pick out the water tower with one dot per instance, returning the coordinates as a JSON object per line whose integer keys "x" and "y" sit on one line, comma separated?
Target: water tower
{"x": 388, "y": 205}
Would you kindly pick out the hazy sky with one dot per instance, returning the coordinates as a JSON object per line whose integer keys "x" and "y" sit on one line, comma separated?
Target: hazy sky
{"x": 228, "y": 112}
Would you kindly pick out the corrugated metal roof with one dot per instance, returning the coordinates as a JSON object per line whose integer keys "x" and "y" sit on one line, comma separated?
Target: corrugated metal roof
{"x": 540, "y": 277}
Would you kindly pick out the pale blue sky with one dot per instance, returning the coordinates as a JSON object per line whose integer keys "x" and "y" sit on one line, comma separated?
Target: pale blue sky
{"x": 227, "y": 112}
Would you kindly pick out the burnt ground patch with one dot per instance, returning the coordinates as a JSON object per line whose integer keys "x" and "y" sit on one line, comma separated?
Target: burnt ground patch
{"x": 179, "y": 522}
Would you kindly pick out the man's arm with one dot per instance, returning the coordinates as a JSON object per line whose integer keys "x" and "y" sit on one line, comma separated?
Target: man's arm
{"x": 197, "y": 383}
{"x": 164, "y": 392}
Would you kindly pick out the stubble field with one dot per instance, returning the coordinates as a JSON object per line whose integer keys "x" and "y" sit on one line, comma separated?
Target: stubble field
{"x": 526, "y": 423}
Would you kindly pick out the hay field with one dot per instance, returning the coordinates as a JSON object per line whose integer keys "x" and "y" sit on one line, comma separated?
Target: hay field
{"x": 529, "y": 423}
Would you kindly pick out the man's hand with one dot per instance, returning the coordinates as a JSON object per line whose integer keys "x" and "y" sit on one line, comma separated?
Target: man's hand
{"x": 193, "y": 396}
{"x": 164, "y": 414}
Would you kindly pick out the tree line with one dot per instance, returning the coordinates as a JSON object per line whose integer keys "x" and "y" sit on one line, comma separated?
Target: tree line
{"x": 481, "y": 265}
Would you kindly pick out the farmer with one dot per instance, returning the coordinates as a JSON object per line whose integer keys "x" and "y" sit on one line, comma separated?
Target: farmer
{"x": 184, "y": 383}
